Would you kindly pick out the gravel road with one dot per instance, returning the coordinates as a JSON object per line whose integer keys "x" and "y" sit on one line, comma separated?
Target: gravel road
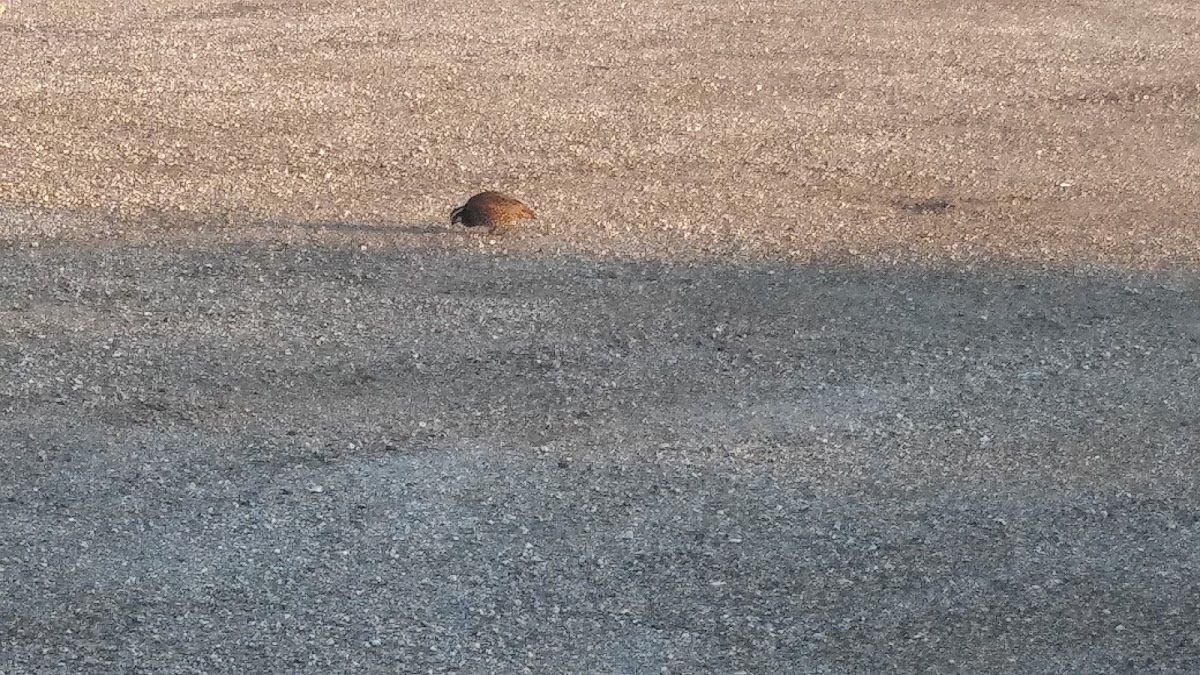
{"x": 852, "y": 337}
{"x": 797, "y": 129}
{"x": 269, "y": 458}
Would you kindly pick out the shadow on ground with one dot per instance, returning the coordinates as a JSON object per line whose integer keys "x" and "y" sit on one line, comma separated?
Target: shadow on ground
{"x": 351, "y": 227}
{"x": 278, "y": 458}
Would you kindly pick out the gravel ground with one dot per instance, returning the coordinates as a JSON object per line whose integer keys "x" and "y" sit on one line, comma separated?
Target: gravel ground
{"x": 851, "y": 337}
{"x": 801, "y": 129}
{"x": 270, "y": 458}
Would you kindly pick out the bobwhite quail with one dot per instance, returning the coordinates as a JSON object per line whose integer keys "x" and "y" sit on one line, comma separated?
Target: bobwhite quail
{"x": 491, "y": 209}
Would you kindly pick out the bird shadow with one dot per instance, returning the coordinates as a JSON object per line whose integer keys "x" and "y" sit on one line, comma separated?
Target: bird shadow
{"x": 358, "y": 227}
{"x": 245, "y": 220}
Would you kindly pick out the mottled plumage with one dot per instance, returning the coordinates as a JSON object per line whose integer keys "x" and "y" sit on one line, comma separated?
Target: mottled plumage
{"x": 492, "y": 210}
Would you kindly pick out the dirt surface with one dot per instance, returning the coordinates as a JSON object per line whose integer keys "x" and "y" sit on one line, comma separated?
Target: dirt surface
{"x": 851, "y": 338}
{"x": 1055, "y": 131}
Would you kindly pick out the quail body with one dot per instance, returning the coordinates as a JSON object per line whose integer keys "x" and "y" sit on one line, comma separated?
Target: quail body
{"x": 492, "y": 210}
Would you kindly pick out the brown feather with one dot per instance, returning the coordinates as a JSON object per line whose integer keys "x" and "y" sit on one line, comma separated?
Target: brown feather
{"x": 492, "y": 210}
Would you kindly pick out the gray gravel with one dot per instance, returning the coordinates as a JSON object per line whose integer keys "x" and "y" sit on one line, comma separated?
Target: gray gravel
{"x": 261, "y": 412}
{"x": 304, "y": 459}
